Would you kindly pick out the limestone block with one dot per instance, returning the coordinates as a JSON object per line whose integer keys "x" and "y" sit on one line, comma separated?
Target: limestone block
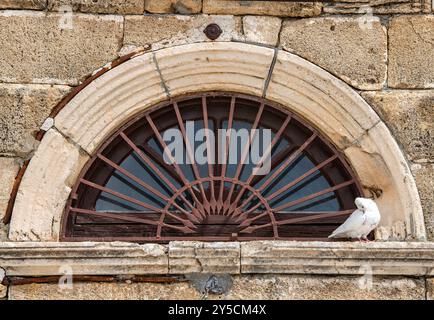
{"x": 83, "y": 258}
{"x": 389, "y": 177}
{"x": 343, "y": 46}
{"x": 106, "y": 103}
{"x": 255, "y": 287}
{"x": 281, "y": 287}
{"x": 262, "y": 29}
{"x": 377, "y": 7}
{"x": 23, "y": 109}
{"x": 105, "y": 291}
{"x": 167, "y": 31}
{"x": 217, "y": 66}
{"x": 99, "y": 6}
{"x": 430, "y": 289}
{"x": 214, "y": 257}
{"x": 411, "y": 41}
{"x": 40, "y": 47}
{"x": 53, "y": 169}
{"x": 23, "y": 4}
{"x": 409, "y": 114}
{"x": 424, "y": 174}
{"x": 350, "y": 258}
{"x": 316, "y": 95}
{"x": 273, "y": 8}
{"x": 3, "y": 291}
{"x": 173, "y": 6}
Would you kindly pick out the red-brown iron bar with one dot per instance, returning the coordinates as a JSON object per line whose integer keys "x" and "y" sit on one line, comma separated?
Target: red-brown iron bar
{"x": 278, "y": 171}
{"x": 291, "y": 184}
{"x": 212, "y": 200}
{"x": 135, "y": 201}
{"x": 144, "y": 184}
{"x": 240, "y": 165}
{"x": 228, "y": 141}
{"x": 191, "y": 156}
{"x": 314, "y": 195}
{"x": 196, "y": 215}
{"x": 184, "y": 229}
{"x": 177, "y": 168}
{"x": 261, "y": 161}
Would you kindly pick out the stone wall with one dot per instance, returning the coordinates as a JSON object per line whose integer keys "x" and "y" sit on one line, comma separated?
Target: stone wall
{"x": 48, "y": 47}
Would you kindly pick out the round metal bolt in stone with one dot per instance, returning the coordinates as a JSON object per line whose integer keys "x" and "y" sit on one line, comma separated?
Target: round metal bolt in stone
{"x": 213, "y": 31}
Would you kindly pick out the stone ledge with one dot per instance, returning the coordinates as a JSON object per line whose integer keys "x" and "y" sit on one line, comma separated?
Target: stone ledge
{"x": 350, "y": 258}
{"x": 181, "y": 257}
{"x": 207, "y": 257}
{"x": 85, "y": 258}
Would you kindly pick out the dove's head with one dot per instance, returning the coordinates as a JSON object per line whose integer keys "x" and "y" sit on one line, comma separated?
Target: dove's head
{"x": 365, "y": 204}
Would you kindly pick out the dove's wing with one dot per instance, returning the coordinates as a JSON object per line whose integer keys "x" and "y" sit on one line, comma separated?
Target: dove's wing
{"x": 353, "y": 223}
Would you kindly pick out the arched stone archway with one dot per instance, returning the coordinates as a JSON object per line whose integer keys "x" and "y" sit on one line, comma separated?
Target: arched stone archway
{"x": 116, "y": 96}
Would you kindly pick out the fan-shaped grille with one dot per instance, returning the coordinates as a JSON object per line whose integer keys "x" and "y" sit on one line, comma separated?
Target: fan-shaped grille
{"x": 133, "y": 189}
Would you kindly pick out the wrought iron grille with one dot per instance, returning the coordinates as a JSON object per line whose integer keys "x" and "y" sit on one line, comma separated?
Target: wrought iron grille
{"x": 130, "y": 191}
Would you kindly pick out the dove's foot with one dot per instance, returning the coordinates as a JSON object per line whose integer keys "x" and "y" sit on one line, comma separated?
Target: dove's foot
{"x": 365, "y": 239}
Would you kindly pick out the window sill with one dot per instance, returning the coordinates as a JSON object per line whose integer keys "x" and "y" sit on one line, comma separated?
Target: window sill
{"x": 278, "y": 257}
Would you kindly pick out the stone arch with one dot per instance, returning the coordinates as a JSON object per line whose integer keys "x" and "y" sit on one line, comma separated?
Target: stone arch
{"x": 144, "y": 80}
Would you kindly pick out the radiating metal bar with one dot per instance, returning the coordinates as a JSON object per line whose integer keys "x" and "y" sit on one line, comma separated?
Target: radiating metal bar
{"x": 240, "y": 165}
{"x": 190, "y": 154}
{"x": 212, "y": 201}
{"x": 177, "y": 168}
{"x": 283, "y": 167}
{"x": 314, "y": 195}
{"x": 184, "y": 229}
{"x": 293, "y": 183}
{"x": 155, "y": 169}
{"x": 187, "y": 223}
{"x": 261, "y": 161}
{"x": 228, "y": 141}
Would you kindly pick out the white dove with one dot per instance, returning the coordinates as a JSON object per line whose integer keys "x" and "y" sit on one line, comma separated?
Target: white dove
{"x": 361, "y": 222}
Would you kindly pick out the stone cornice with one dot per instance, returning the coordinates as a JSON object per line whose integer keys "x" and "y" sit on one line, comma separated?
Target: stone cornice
{"x": 278, "y": 257}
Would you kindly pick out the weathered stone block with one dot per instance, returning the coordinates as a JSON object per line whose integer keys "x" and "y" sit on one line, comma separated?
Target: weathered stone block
{"x": 291, "y": 257}
{"x": 84, "y": 258}
{"x": 430, "y": 289}
{"x": 173, "y": 6}
{"x": 105, "y": 291}
{"x": 99, "y": 6}
{"x": 262, "y": 29}
{"x": 23, "y": 109}
{"x": 23, "y": 4}
{"x": 377, "y": 7}
{"x": 213, "y": 257}
{"x": 342, "y": 46}
{"x": 217, "y": 66}
{"x": 424, "y": 174}
{"x": 276, "y": 287}
{"x": 51, "y": 48}
{"x": 277, "y": 8}
{"x": 3, "y": 291}
{"x": 54, "y": 167}
{"x": 409, "y": 114}
{"x": 411, "y": 41}
{"x": 281, "y": 287}
{"x": 166, "y": 31}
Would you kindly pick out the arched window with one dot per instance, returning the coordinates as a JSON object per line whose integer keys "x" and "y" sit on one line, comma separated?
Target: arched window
{"x": 146, "y": 183}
